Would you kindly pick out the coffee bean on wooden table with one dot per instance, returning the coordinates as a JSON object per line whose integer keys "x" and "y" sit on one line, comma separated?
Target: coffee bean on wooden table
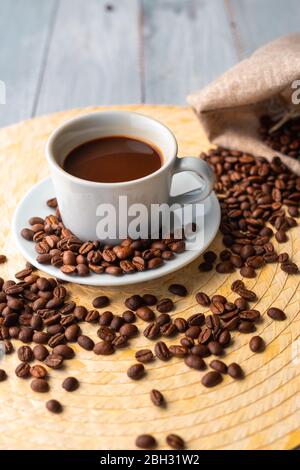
{"x": 145, "y": 313}
{"x": 165, "y": 305}
{"x": 101, "y": 301}
{"x": 157, "y": 398}
{"x": 215, "y": 348}
{"x": 145, "y": 441}
{"x": 54, "y": 406}
{"x": 200, "y": 350}
{"x": 64, "y": 350}
{"x": 54, "y": 361}
{"x": 178, "y": 350}
{"x": 211, "y": 379}
{"x": 203, "y": 299}
{"x": 178, "y": 289}
{"x": 235, "y": 371}
{"x": 257, "y": 344}
{"x": 175, "y": 441}
{"x": 38, "y": 371}
{"x": 152, "y": 331}
{"x": 205, "y": 267}
{"x": 246, "y": 327}
{"x": 3, "y": 375}
{"x": 129, "y": 330}
{"x": 25, "y": 353}
{"x": 162, "y": 319}
{"x": 39, "y": 385}
{"x": 144, "y": 356}
{"x": 162, "y": 351}
{"x": 219, "y": 366}
{"x": 149, "y": 299}
{"x": 276, "y": 314}
{"x": 136, "y": 371}
{"x": 85, "y": 342}
{"x": 134, "y": 302}
{"x": 40, "y": 352}
{"x": 195, "y": 362}
{"x": 104, "y": 348}
{"x": 210, "y": 257}
{"x": 22, "y": 370}
{"x": 128, "y": 316}
{"x": 70, "y": 384}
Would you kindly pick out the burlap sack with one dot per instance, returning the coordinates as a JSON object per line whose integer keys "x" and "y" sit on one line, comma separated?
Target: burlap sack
{"x": 229, "y": 108}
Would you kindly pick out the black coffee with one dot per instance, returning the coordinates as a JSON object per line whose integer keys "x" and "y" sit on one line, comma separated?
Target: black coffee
{"x": 112, "y": 160}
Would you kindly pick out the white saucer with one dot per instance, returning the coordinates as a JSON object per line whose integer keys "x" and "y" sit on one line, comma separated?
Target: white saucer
{"x": 34, "y": 204}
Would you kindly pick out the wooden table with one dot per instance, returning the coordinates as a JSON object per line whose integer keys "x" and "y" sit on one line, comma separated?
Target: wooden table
{"x": 61, "y": 54}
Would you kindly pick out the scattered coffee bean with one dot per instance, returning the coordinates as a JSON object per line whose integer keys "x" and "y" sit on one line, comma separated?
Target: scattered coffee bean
{"x": 54, "y": 361}
{"x": 149, "y": 299}
{"x": 104, "y": 348}
{"x": 136, "y": 371}
{"x": 152, "y": 331}
{"x": 203, "y": 299}
{"x": 144, "y": 356}
{"x": 70, "y": 384}
{"x": 276, "y": 314}
{"x": 3, "y": 375}
{"x": 215, "y": 348}
{"x": 22, "y": 371}
{"x": 25, "y": 354}
{"x": 145, "y": 441}
{"x": 219, "y": 366}
{"x": 128, "y": 316}
{"x": 175, "y": 441}
{"x": 211, "y": 379}
{"x": 165, "y": 305}
{"x": 39, "y": 385}
{"x": 85, "y": 342}
{"x": 200, "y": 350}
{"x": 235, "y": 371}
{"x": 54, "y": 406}
{"x": 39, "y": 372}
{"x": 162, "y": 351}
{"x": 157, "y": 398}
{"x": 145, "y": 313}
{"x": 134, "y": 302}
{"x": 178, "y": 289}
{"x": 178, "y": 350}
{"x": 63, "y": 350}
{"x": 257, "y": 344}
{"x": 101, "y": 301}
{"x": 195, "y": 362}
{"x": 40, "y": 352}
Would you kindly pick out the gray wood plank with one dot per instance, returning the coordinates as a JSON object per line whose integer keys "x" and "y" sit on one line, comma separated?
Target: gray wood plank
{"x": 94, "y": 56}
{"x": 24, "y": 29}
{"x": 259, "y": 21}
{"x": 186, "y": 45}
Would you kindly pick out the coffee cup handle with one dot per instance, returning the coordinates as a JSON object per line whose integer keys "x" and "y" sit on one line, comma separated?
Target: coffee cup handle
{"x": 203, "y": 170}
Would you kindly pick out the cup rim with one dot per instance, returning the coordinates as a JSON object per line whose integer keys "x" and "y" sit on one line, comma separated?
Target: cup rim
{"x": 95, "y": 184}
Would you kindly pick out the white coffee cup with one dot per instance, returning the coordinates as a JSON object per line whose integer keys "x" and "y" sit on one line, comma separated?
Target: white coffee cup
{"x": 78, "y": 199}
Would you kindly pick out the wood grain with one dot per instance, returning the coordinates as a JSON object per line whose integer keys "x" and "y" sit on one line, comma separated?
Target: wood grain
{"x": 108, "y": 411}
{"x": 186, "y": 45}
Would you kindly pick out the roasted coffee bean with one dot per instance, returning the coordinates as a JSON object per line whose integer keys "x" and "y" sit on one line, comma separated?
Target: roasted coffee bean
{"x": 200, "y": 350}
{"x": 40, "y": 352}
{"x": 25, "y": 354}
{"x": 162, "y": 351}
{"x": 178, "y": 289}
{"x": 36, "y": 322}
{"x": 39, "y": 385}
{"x": 39, "y": 372}
{"x": 250, "y": 315}
{"x": 218, "y": 299}
{"x": 289, "y": 268}
{"x": 70, "y": 384}
{"x": 54, "y": 361}
{"x": 136, "y": 371}
{"x": 145, "y": 441}
{"x": 55, "y": 340}
{"x": 203, "y": 299}
{"x": 257, "y": 344}
{"x": 144, "y": 356}
{"x": 129, "y": 330}
{"x": 92, "y": 316}
{"x": 196, "y": 320}
{"x": 225, "y": 267}
{"x": 64, "y": 350}
{"x": 210, "y": 257}
{"x": 114, "y": 270}
{"x": 163, "y": 319}
{"x": 106, "y": 318}
{"x": 116, "y": 322}
{"x": 8, "y": 346}
{"x": 165, "y": 305}
{"x": 281, "y": 236}
{"x": 40, "y": 337}
{"x": 235, "y": 371}
{"x": 26, "y": 334}
{"x": 101, "y": 301}
{"x": 205, "y": 267}
{"x": 246, "y": 327}
{"x": 104, "y": 348}
{"x": 22, "y": 371}
{"x": 175, "y": 441}
{"x": 80, "y": 312}
{"x": 188, "y": 342}
{"x": 181, "y": 324}
{"x": 145, "y": 313}
{"x": 213, "y": 322}
{"x": 193, "y": 332}
{"x": 276, "y": 314}
{"x": 52, "y": 202}
{"x": 211, "y": 379}
{"x": 219, "y": 366}
{"x": 106, "y": 333}
{"x": 168, "y": 330}
{"x": 224, "y": 338}
{"x": 27, "y": 234}
{"x": 85, "y": 342}
{"x": 178, "y": 350}
{"x": 157, "y": 398}
{"x": 241, "y": 303}
{"x": 3, "y": 375}
{"x": 205, "y": 336}
{"x": 149, "y": 299}
{"x": 217, "y": 308}
{"x": 247, "y": 294}
{"x": 154, "y": 263}
{"x": 248, "y": 271}
{"x": 152, "y": 331}
{"x": 215, "y": 348}
{"x": 120, "y": 341}
{"x": 195, "y": 362}
{"x": 72, "y": 332}
{"x": 134, "y": 302}
{"x": 128, "y": 316}
{"x": 54, "y": 406}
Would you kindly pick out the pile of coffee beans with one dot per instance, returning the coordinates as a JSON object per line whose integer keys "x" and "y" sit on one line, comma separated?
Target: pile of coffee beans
{"x": 258, "y": 199}
{"x": 56, "y": 245}
{"x": 286, "y": 139}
